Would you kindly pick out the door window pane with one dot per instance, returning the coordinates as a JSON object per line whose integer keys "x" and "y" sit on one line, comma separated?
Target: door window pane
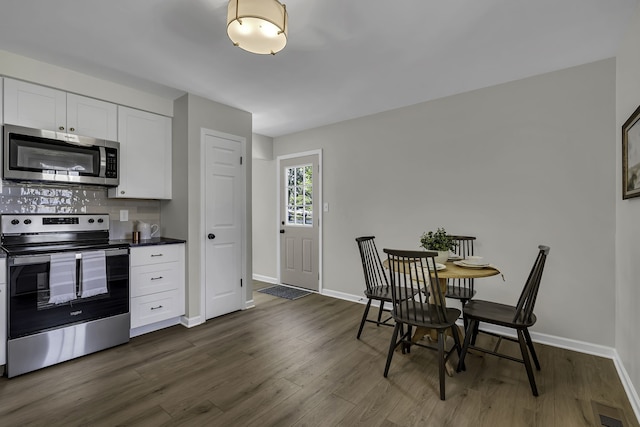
{"x": 299, "y": 190}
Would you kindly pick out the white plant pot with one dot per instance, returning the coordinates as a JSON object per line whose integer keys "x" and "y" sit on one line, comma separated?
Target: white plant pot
{"x": 442, "y": 257}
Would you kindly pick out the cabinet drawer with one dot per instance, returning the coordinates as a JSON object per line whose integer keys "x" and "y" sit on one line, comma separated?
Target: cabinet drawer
{"x": 150, "y": 279}
{"x": 156, "y": 307}
{"x": 156, "y": 254}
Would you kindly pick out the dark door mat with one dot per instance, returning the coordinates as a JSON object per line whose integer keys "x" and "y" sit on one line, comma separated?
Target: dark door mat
{"x": 285, "y": 292}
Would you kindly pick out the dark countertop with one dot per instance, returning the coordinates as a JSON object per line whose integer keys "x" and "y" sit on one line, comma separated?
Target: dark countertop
{"x": 151, "y": 242}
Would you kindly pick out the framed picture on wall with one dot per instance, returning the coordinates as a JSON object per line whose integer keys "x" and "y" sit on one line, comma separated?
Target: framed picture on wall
{"x": 631, "y": 156}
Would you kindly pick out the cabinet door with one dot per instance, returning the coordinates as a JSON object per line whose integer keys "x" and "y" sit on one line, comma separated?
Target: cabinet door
{"x": 3, "y": 311}
{"x": 91, "y": 117}
{"x": 145, "y": 155}
{"x": 1, "y": 103}
{"x": 34, "y": 106}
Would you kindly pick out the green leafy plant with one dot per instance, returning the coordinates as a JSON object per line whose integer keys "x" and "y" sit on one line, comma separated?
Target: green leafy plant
{"x": 438, "y": 241}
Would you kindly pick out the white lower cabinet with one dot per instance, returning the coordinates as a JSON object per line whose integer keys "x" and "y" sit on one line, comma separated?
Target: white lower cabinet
{"x": 157, "y": 284}
{"x": 3, "y": 311}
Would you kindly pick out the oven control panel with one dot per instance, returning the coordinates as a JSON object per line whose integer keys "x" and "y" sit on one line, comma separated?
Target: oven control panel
{"x": 45, "y": 223}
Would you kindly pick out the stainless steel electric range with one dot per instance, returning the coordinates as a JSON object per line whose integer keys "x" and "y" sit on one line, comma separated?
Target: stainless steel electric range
{"x": 67, "y": 288}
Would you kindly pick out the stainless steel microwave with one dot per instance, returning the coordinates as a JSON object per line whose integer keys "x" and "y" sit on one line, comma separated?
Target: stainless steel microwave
{"x": 48, "y": 156}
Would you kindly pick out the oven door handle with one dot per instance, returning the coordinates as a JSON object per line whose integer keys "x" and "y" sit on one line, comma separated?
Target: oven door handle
{"x": 40, "y": 259}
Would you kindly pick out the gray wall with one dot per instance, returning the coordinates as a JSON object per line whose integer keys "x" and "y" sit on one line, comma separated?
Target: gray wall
{"x": 16, "y": 197}
{"x": 182, "y": 213}
{"x": 520, "y": 164}
{"x": 31, "y": 70}
{"x": 264, "y": 209}
{"x": 627, "y": 214}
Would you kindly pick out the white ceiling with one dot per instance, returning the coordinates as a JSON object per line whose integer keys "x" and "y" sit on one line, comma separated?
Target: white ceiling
{"x": 344, "y": 59}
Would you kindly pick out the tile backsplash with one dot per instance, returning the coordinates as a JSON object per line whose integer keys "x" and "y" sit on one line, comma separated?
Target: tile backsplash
{"x": 17, "y": 197}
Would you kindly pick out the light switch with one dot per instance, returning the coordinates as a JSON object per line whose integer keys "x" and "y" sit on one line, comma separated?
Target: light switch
{"x": 326, "y": 207}
{"x": 124, "y": 215}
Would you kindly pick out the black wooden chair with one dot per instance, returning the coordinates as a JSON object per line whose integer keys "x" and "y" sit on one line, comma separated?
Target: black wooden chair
{"x": 413, "y": 271}
{"x": 519, "y": 317}
{"x": 461, "y": 289}
{"x": 375, "y": 279}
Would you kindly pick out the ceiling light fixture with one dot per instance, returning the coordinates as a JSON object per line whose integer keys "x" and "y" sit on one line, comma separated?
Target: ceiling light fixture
{"x": 258, "y": 26}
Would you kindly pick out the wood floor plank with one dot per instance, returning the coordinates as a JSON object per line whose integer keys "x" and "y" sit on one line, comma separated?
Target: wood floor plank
{"x": 286, "y": 363}
{"x": 328, "y": 413}
{"x": 289, "y": 411}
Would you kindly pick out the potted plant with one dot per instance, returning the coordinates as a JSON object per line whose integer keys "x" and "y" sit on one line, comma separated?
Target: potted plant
{"x": 438, "y": 241}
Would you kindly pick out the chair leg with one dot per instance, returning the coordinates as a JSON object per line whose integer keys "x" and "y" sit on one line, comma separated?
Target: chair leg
{"x": 441, "y": 368}
{"x": 392, "y": 347}
{"x": 380, "y": 312}
{"x": 527, "y": 362}
{"x": 463, "y": 302}
{"x": 409, "y": 334}
{"x": 467, "y": 340}
{"x": 458, "y": 345}
{"x": 474, "y": 335}
{"x": 531, "y": 349}
{"x": 364, "y": 318}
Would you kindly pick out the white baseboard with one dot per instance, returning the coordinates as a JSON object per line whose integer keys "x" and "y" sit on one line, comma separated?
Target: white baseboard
{"x": 632, "y": 393}
{"x": 551, "y": 340}
{"x": 190, "y": 322}
{"x": 347, "y": 297}
{"x": 266, "y": 279}
{"x": 249, "y": 304}
{"x": 154, "y": 327}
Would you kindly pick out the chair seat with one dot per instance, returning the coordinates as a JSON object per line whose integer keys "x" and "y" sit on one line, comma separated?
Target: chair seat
{"x": 458, "y": 292}
{"x": 498, "y": 314}
{"x": 383, "y": 293}
{"x": 422, "y": 318}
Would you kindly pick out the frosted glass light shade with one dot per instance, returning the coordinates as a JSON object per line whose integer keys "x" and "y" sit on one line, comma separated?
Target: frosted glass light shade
{"x": 258, "y": 26}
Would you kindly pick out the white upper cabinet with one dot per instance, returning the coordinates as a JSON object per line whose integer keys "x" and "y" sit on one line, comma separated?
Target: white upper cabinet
{"x": 145, "y": 155}
{"x": 91, "y": 117}
{"x": 34, "y": 106}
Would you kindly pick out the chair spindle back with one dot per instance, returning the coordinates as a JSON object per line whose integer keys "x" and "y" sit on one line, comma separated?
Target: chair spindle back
{"x": 527, "y": 300}
{"x": 374, "y": 274}
{"x": 412, "y": 271}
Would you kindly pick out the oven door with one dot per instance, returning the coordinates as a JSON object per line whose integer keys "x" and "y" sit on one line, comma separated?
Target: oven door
{"x": 29, "y": 306}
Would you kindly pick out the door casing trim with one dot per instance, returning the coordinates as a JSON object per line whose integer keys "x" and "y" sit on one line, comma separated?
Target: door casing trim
{"x": 319, "y": 209}
{"x": 243, "y": 235}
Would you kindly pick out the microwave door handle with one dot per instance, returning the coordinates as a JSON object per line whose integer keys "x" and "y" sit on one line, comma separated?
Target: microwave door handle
{"x": 103, "y": 161}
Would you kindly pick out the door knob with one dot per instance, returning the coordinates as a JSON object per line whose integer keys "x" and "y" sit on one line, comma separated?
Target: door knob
{"x": 281, "y": 231}
{"x": 211, "y": 236}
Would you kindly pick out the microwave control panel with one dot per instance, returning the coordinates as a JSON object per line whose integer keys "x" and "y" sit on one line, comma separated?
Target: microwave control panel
{"x": 111, "y": 170}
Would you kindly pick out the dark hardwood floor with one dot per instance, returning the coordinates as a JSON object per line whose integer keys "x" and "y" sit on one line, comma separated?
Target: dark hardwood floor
{"x": 298, "y": 363}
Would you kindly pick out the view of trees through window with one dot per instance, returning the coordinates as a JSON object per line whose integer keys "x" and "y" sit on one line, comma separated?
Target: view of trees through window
{"x": 299, "y": 190}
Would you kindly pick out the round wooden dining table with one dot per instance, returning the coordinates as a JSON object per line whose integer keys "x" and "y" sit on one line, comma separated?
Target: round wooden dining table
{"x": 452, "y": 271}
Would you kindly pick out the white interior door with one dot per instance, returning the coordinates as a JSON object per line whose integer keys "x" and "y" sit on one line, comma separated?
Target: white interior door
{"x": 223, "y": 222}
{"x": 300, "y": 221}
